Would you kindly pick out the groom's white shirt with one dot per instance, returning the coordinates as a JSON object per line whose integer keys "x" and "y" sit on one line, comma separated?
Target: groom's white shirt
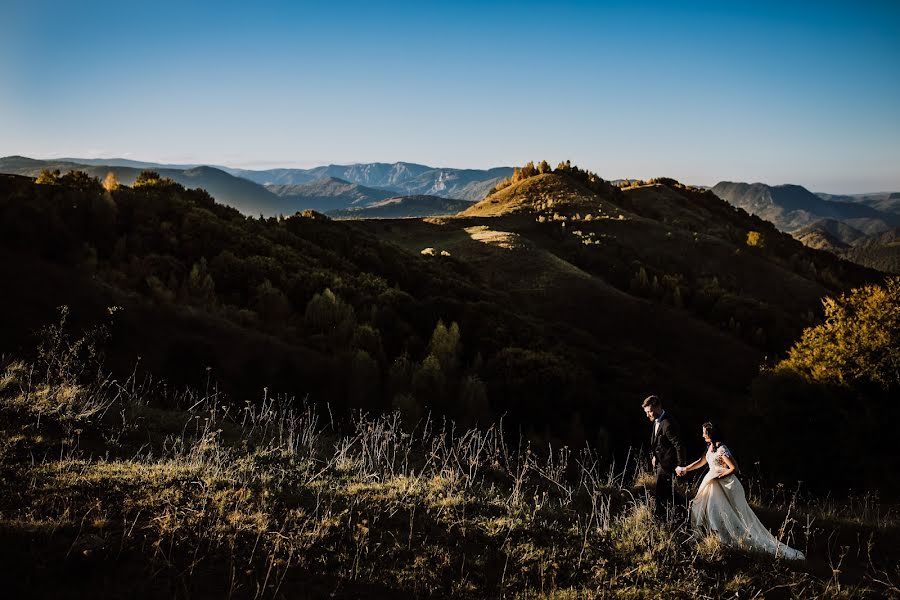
{"x": 656, "y": 423}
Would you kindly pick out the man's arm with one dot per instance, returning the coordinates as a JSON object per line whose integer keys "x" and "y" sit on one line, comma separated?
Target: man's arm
{"x": 673, "y": 434}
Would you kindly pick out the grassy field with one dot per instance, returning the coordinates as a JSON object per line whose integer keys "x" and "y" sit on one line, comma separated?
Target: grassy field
{"x": 126, "y": 488}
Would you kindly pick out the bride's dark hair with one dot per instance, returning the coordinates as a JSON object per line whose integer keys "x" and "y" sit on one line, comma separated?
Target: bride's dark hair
{"x": 715, "y": 436}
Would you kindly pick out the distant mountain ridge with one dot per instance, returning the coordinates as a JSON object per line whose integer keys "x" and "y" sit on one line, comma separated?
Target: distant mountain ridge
{"x": 877, "y": 251}
{"x": 248, "y": 197}
{"x": 328, "y": 194}
{"x": 275, "y": 191}
{"x": 399, "y": 178}
{"x": 402, "y": 207}
{"x": 884, "y": 201}
{"x": 370, "y": 174}
{"x": 137, "y": 164}
{"x": 828, "y": 234}
{"x": 792, "y": 207}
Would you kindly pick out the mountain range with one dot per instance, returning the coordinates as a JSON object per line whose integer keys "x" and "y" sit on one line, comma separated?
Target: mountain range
{"x": 286, "y": 191}
{"x": 328, "y": 194}
{"x": 403, "y": 207}
{"x": 574, "y": 297}
{"x": 884, "y": 201}
{"x": 860, "y": 227}
{"x": 876, "y": 250}
{"x": 791, "y": 207}
{"x": 550, "y": 309}
{"x": 248, "y": 197}
{"x": 829, "y": 222}
{"x": 400, "y": 178}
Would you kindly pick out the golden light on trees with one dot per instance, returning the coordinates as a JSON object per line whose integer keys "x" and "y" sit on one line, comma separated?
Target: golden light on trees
{"x": 859, "y": 342}
{"x": 110, "y": 182}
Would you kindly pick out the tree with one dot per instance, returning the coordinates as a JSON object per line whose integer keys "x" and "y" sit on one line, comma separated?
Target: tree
{"x": 364, "y": 380}
{"x": 48, "y": 177}
{"x": 327, "y": 313}
{"x": 271, "y": 304}
{"x": 80, "y": 180}
{"x": 428, "y": 381}
{"x": 640, "y": 283}
{"x": 677, "y": 299}
{"x": 445, "y": 346}
{"x": 146, "y": 177}
{"x": 859, "y": 342}
{"x": 110, "y": 182}
{"x": 755, "y": 239}
{"x": 473, "y": 400}
{"x": 400, "y": 375}
{"x": 368, "y": 338}
{"x": 201, "y": 287}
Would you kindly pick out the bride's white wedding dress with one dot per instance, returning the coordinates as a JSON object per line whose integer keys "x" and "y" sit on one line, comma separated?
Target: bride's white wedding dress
{"x": 720, "y": 506}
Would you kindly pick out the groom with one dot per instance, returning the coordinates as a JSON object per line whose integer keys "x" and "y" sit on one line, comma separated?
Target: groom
{"x": 668, "y": 452}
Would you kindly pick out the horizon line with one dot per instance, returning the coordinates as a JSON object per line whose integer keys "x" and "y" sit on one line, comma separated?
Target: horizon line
{"x": 260, "y": 166}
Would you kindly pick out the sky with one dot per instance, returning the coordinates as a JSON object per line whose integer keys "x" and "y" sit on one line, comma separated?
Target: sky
{"x": 777, "y": 92}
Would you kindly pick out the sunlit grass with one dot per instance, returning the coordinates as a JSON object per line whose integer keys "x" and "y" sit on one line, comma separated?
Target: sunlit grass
{"x": 281, "y": 495}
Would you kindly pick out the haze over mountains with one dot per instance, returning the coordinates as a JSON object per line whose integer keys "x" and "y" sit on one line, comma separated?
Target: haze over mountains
{"x": 286, "y": 191}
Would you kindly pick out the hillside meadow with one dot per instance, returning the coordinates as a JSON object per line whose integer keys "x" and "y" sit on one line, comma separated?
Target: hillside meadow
{"x": 212, "y": 404}
{"x": 104, "y": 492}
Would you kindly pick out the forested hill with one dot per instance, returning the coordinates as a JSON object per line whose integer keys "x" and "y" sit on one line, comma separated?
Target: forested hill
{"x": 248, "y": 197}
{"x": 556, "y": 322}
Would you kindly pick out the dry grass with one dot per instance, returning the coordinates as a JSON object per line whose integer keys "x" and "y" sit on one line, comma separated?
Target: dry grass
{"x": 266, "y": 500}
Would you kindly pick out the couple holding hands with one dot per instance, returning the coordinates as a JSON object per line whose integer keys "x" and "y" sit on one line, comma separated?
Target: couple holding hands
{"x": 720, "y": 505}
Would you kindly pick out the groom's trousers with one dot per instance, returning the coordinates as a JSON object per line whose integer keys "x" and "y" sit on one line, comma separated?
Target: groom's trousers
{"x": 669, "y": 503}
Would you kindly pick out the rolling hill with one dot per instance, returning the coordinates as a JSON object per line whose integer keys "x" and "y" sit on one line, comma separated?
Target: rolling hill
{"x": 403, "y": 207}
{"x": 376, "y": 181}
{"x": 877, "y": 251}
{"x": 328, "y": 194}
{"x": 828, "y": 234}
{"x": 573, "y": 290}
{"x": 883, "y": 201}
{"x": 535, "y": 194}
{"x": 625, "y": 265}
{"x": 248, "y": 197}
{"x": 176, "y": 375}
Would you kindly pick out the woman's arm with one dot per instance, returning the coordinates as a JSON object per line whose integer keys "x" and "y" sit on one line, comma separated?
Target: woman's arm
{"x": 694, "y": 465}
{"x": 729, "y": 462}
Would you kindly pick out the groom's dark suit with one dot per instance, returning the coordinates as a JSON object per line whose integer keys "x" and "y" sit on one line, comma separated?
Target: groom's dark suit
{"x": 666, "y": 446}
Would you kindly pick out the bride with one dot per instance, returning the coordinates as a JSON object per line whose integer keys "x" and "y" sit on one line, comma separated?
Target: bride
{"x": 721, "y": 507}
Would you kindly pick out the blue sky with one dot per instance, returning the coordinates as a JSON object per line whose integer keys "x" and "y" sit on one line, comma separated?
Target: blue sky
{"x": 778, "y": 92}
